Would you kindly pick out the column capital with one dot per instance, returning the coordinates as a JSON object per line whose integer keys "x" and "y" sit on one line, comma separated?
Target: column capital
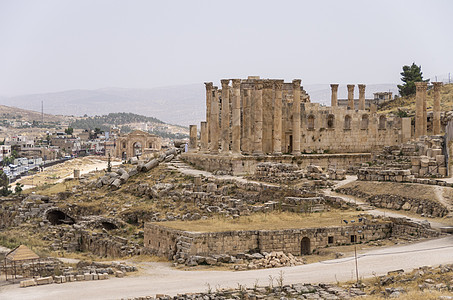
{"x": 437, "y": 85}
{"x": 350, "y": 87}
{"x": 278, "y": 83}
{"x": 297, "y": 82}
{"x": 267, "y": 84}
{"x": 236, "y": 83}
{"x": 361, "y": 87}
{"x": 334, "y": 86}
{"x": 258, "y": 85}
{"x": 421, "y": 86}
{"x": 225, "y": 82}
{"x": 208, "y": 85}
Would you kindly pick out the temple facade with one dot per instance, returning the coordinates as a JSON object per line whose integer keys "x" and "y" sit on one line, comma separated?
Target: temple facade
{"x": 256, "y": 116}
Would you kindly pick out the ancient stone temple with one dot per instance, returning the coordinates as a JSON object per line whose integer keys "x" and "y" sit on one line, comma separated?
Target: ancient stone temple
{"x": 269, "y": 119}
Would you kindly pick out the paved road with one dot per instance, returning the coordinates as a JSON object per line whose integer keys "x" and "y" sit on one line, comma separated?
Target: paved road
{"x": 160, "y": 278}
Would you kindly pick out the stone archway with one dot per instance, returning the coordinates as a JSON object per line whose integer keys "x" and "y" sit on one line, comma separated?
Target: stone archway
{"x": 305, "y": 248}
{"x": 58, "y": 217}
{"x": 137, "y": 148}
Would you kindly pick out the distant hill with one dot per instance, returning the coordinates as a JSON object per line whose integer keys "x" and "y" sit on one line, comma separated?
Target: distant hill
{"x": 182, "y": 104}
{"x": 105, "y": 122}
{"x": 175, "y": 105}
{"x": 11, "y": 113}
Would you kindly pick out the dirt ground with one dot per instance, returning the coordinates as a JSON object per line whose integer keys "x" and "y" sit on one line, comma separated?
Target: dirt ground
{"x": 59, "y": 172}
{"x": 161, "y": 278}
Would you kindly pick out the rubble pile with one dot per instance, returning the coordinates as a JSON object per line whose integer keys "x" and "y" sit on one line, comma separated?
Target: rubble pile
{"x": 116, "y": 179}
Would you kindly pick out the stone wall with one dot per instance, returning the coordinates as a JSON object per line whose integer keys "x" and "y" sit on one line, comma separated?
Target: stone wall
{"x": 246, "y": 165}
{"x": 172, "y": 243}
{"x": 379, "y": 174}
{"x": 340, "y": 130}
{"x": 423, "y": 207}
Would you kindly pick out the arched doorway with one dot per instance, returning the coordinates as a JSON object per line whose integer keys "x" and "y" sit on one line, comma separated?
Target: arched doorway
{"x": 137, "y": 149}
{"x": 305, "y": 246}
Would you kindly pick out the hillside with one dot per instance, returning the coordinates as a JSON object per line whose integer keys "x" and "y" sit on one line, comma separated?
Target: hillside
{"x": 19, "y": 114}
{"x": 112, "y": 119}
{"x": 183, "y": 105}
{"x": 408, "y": 103}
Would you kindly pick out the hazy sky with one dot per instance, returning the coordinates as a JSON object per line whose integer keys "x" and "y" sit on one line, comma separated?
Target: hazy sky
{"x": 48, "y": 46}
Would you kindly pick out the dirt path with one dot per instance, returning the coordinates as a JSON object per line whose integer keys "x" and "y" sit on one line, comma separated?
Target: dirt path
{"x": 376, "y": 211}
{"x": 59, "y": 172}
{"x": 161, "y": 278}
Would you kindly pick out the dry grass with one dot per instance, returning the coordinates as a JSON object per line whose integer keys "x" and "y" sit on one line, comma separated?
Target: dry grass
{"x": 17, "y": 236}
{"x": 411, "y": 286}
{"x": 409, "y": 190}
{"x": 413, "y": 295}
{"x": 446, "y": 100}
{"x": 262, "y": 221}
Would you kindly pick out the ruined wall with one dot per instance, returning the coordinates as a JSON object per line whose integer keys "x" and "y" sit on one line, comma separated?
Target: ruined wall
{"x": 167, "y": 242}
{"x": 340, "y": 130}
{"x": 246, "y": 165}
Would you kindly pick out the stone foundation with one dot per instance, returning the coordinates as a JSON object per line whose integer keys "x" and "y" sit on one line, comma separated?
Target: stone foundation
{"x": 173, "y": 243}
{"x": 246, "y": 165}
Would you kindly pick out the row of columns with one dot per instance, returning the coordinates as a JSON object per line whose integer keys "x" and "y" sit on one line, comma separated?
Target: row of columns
{"x": 334, "y": 98}
{"x": 421, "y": 120}
{"x": 261, "y": 108}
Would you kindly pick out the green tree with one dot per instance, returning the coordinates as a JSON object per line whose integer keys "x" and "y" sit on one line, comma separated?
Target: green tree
{"x": 4, "y": 184}
{"x": 18, "y": 188}
{"x": 69, "y": 130}
{"x": 410, "y": 75}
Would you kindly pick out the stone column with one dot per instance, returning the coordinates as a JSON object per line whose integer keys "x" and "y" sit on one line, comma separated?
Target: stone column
{"x": 267, "y": 116}
{"x": 425, "y": 113}
{"x": 296, "y": 117}
{"x": 362, "y": 96}
{"x": 334, "y": 98}
{"x": 420, "y": 107}
{"x": 236, "y": 130}
{"x": 204, "y": 136}
{"x": 247, "y": 116}
{"x": 208, "y": 106}
{"x": 436, "y": 108}
{"x": 193, "y": 138}
{"x": 225, "y": 120}
{"x": 214, "y": 124}
{"x": 351, "y": 96}
{"x": 258, "y": 118}
{"x": 277, "y": 138}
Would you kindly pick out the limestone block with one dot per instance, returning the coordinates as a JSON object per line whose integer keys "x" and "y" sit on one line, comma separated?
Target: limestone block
{"x": 27, "y": 283}
{"x": 58, "y": 279}
{"x": 116, "y": 183}
{"x": 423, "y": 171}
{"x": 87, "y": 276}
{"x": 443, "y": 171}
{"x": 44, "y": 280}
{"x": 415, "y": 169}
{"x": 150, "y": 165}
{"x": 95, "y": 276}
{"x": 436, "y": 152}
{"x": 119, "y": 274}
{"x": 429, "y": 152}
{"x": 424, "y": 162}
{"x": 80, "y": 277}
{"x": 124, "y": 177}
{"x": 70, "y": 278}
{"x": 440, "y": 160}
